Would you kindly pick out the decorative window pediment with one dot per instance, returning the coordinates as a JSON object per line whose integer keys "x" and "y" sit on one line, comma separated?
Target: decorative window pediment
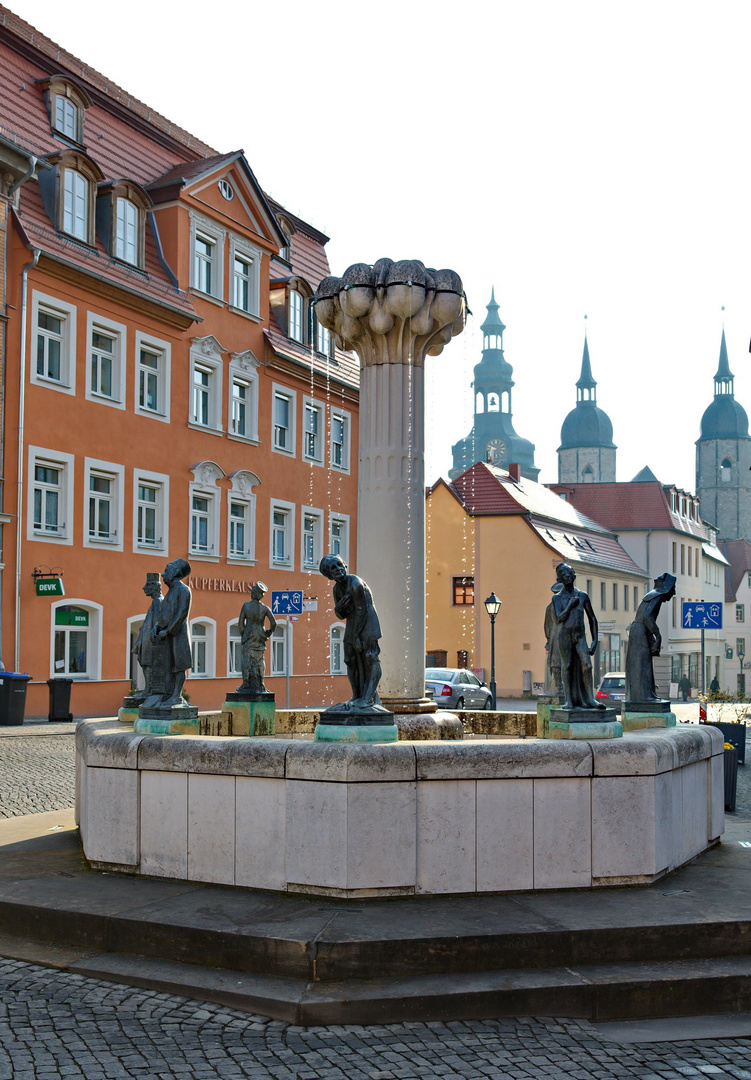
{"x": 208, "y": 346}
{"x": 207, "y": 473}
{"x": 246, "y": 360}
{"x": 243, "y": 481}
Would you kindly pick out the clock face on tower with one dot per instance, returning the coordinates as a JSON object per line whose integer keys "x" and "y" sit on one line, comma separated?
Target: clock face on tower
{"x": 495, "y": 451}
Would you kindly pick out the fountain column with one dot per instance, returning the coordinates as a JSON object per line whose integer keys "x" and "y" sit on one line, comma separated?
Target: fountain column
{"x": 393, "y": 314}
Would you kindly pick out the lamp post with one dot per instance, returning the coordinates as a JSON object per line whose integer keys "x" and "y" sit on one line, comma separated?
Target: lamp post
{"x": 741, "y": 649}
{"x": 492, "y": 606}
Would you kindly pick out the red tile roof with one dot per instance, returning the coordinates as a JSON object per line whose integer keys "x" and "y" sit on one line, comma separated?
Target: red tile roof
{"x": 485, "y": 490}
{"x": 738, "y": 554}
{"x": 344, "y": 368}
{"x": 626, "y": 506}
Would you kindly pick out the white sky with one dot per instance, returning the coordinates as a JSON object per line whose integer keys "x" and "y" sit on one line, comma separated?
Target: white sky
{"x": 581, "y": 157}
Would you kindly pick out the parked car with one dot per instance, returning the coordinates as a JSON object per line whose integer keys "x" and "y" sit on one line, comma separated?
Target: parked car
{"x": 457, "y": 688}
{"x": 612, "y": 689}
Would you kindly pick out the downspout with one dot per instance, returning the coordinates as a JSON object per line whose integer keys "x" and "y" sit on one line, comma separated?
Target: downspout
{"x": 27, "y": 176}
{"x": 21, "y": 410}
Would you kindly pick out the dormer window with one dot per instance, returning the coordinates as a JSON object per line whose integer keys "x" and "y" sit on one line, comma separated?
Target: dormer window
{"x": 296, "y": 322}
{"x": 67, "y": 103}
{"x": 68, "y": 194}
{"x": 121, "y": 211}
{"x": 285, "y": 252}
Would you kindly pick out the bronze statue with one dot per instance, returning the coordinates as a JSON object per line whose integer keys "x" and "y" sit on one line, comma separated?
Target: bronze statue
{"x": 171, "y": 655}
{"x": 253, "y": 636}
{"x": 645, "y": 642}
{"x": 143, "y": 647}
{"x": 551, "y": 645}
{"x": 570, "y": 605}
{"x": 354, "y": 603}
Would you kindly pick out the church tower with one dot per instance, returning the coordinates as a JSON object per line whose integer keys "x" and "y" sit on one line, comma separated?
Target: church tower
{"x": 492, "y": 437}
{"x": 723, "y": 459}
{"x": 587, "y": 451}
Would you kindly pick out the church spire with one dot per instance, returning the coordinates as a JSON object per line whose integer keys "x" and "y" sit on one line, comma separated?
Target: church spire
{"x": 723, "y": 380}
{"x": 492, "y": 328}
{"x": 585, "y": 386}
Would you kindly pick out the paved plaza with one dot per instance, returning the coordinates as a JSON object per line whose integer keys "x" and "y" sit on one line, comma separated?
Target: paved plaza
{"x": 56, "y": 1024}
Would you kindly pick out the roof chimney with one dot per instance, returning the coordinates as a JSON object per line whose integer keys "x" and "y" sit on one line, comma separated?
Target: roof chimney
{"x": 515, "y": 472}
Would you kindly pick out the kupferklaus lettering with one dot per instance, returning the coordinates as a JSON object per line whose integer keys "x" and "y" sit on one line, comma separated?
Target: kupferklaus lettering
{"x": 220, "y": 584}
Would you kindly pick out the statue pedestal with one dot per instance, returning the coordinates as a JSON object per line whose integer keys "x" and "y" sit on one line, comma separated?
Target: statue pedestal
{"x": 250, "y": 713}
{"x": 545, "y": 704}
{"x": 584, "y": 724}
{"x": 128, "y": 714}
{"x": 167, "y": 720}
{"x": 638, "y": 715}
{"x": 338, "y": 725}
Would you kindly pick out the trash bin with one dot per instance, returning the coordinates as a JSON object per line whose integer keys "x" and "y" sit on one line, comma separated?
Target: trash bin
{"x": 731, "y": 777}
{"x": 12, "y": 697}
{"x": 59, "y": 699}
{"x": 732, "y": 733}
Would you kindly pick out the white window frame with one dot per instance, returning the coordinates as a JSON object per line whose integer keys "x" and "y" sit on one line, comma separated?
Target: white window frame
{"x": 310, "y": 404}
{"x": 243, "y": 368}
{"x": 206, "y": 229}
{"x": 242, "y": 249}
{"x": 204, "y": 486}
{"x": 94, "y": 645}
{"x": 53, "y": 459}
{"x": 74, "y": 188}
{"x": 286, "y": 635}
{"x": 243, "y": 482}
{"x": 75, "y": 115}
{"x": 311, "y": 565}
{"x": 67, "y": 313}
{"x": 161, "y": 482}
{"x": 119, "y": 333}
{"x": 116, "y": 473}
{"x": 210, "y": 641}
{"x": 206, "y": 355}
{"x": 346, "y": 418}
{"x": 231, "y": 671}
{"x": 163, "y": 350}
{"x": 296, "y": 316}
{"x": 333, "y": 670}
{"x": 128, "y": 222}
{"x": 277, "y": 390}
{"x": 343, "y": 520}
{"x": 287, "y": 508}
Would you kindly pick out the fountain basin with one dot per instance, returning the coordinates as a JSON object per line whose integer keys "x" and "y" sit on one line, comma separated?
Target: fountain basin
{"x": 395, "y": 819}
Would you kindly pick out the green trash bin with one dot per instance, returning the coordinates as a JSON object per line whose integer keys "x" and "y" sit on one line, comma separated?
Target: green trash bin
{"x": 12, "y": 697}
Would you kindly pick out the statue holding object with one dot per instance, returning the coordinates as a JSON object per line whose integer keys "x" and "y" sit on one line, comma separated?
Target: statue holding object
{"x": 254, "y": 635}
{"x": 570, "y": 606}
{"x": 644, "y": 643}
{"x": 170, "y": 645}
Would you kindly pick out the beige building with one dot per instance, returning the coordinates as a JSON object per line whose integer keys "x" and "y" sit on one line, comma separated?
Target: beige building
{"x": 492, "y": 530}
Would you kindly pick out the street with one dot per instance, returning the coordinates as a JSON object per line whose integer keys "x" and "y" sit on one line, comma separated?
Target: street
{"x": 54, "y": 1024}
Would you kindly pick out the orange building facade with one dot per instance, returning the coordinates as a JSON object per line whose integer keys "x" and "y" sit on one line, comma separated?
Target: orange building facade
{"x": 166, "y": 392}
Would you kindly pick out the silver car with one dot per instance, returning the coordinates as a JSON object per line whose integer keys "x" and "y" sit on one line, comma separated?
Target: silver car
{"x": 457, "y": 688}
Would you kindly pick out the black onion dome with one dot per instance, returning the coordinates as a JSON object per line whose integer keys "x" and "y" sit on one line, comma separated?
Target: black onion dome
{"x": 724, "y": 419}
{"x": 586, "y": 425}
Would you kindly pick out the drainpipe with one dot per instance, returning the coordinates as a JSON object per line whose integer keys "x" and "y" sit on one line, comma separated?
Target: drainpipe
{"x": 21, "y": 409}
{"x": 27, "y": 176}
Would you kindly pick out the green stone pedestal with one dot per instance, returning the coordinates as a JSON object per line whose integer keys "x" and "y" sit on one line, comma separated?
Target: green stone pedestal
{"x": 250, "y": 717}
{"x": 639, "y": 721}
{"x": 177, "y": 720}
{"x": 560, "y": 729}
{"x": 357, "y": 733}
{"x": 127, "y": 715}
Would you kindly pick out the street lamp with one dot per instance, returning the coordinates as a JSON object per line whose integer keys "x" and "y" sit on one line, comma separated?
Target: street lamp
{"x": 492, "y": 606}
{"x": 741, "y": 650}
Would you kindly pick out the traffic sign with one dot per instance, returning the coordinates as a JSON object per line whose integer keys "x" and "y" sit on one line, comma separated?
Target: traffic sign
{"x": 699, "y": 615}
{"x": 287, "y": 602}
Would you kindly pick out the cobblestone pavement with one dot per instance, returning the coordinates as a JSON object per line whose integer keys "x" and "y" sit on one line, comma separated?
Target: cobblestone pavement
{"x": 55, "y": 1025}
{"x": 37, "y": 773}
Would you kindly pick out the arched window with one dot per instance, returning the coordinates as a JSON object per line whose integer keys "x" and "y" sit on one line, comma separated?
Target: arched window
{"x": 76, "y": 639}
{"x": 726, "y": 469}
{"x": 202, "y": 648}
{"x": 67, "y": 103}
{"x": 234, "y": 649}
{"x": 278, "y": 649}
{"x": 336, "y": 650}
{"x": 479, "y": 403}
{"x": 588, "y": 474}
{"x": 493, "y": 403}
{"x": 75, "y": 220}
{"x": 296, "y": 316}
{"x": 505, "y": 401}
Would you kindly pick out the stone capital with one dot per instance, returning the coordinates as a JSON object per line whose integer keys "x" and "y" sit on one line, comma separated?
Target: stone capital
{"x": 392, "y": 312}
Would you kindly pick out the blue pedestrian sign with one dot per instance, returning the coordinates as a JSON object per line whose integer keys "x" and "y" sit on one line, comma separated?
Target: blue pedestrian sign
{"x": 288, "y": 602}
{"x": 698, "y": 615}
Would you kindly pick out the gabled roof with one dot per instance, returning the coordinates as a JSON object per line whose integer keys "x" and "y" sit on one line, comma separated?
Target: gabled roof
{"x": 738, "y": 554}
{"x": 487, "y": 491}
{"x": 637, "y": 505}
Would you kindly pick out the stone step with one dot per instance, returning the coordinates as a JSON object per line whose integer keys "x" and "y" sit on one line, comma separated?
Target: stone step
{"x": 597, "y": 993}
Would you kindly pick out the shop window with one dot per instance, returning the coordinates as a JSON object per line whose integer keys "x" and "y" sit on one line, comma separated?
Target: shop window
{"x": 76, "y": 639}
